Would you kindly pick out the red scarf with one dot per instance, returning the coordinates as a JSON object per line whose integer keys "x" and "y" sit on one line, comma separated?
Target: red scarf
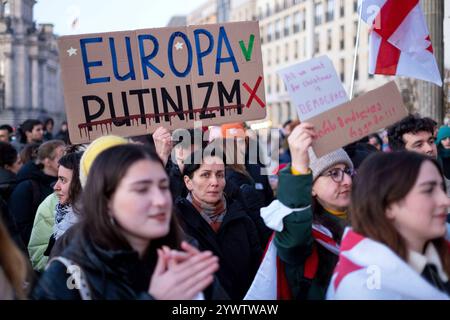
{"x": 213, "y": 214}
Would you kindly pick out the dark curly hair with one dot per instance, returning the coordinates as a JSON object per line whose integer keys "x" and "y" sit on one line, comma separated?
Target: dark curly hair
{"x": 413, "y": 123}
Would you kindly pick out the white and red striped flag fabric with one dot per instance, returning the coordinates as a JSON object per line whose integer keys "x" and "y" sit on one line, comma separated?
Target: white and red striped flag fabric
{"x": 399, "y": 40}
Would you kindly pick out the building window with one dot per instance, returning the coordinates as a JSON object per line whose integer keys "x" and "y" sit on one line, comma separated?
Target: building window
{"x": 260, "y": 14}
{"x": 268, "y": 12}
{"x": 287, "y": 25}
{"x": 277, "y": 85}
{"x": 342, "y": 38}
{"x": 355, "y": 5}
{"x": 269, "y": 88}
{"x": 318, "y": 13}
{"x": 342, "y": 69}
{"x": 341, "y": 8}
{"x": 269, "y": 57}
{"x": 329, "y": 39}
{"x": 355, "y": 26}
{"x": 330, "y": 10}
{"x": 269, "y": 32}
{"x": 286, "y": 52}
{"x": 303, "y": 15}
{"x": 297, "y": 22}
{"x": 277, "y": 29}
{"x": 296, "y": 49}
{"x": 277, "y": 55}
{"x": 357, "y": 69}
{"x": 316, "y": 43}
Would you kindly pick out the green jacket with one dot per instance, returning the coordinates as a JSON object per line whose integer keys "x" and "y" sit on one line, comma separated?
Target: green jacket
{"x": 295, "y": 242}
{"x": 42, "y": 230}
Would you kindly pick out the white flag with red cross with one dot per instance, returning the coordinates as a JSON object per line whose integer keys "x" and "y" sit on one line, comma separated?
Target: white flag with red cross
{"x": 399, "y": 40}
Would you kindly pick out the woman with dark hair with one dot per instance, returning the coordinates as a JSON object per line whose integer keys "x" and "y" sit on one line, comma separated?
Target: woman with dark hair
{"x": 309, "y": 216}
{"x": 52, "y": 220}
{"x": 36, "y": 184}
{"x": 10, "y": 165}
{"x": 218, "y": 223}
{"x": 48, "y": 129}
{"x": 120, "y": 248}
{"x": 396, "y": 248}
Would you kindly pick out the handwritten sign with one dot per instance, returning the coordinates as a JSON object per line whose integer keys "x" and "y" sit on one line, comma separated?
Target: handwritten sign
{"x": 129, "y": 83}
{"x": 314, "y": 87}
{"x": 354, "y": 120}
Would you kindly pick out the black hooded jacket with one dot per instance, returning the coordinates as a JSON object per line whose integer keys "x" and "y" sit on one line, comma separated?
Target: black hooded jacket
{"x": 32, "y": 188}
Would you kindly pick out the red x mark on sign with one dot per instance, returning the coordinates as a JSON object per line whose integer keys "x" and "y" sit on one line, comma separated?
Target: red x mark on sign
{"x": 253, "y": 93}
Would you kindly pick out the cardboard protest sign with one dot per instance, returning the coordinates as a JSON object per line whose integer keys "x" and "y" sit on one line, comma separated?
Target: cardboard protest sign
{"x": 314, "y": 87}
{"x": 129, "y": 83}
{"x": 358, "y": 118}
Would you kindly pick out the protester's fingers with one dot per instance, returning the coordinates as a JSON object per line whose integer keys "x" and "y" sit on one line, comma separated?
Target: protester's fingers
{"x": 189, "y": 248}
{"x": 198, "y": 287}
{"x": 199, "y": 276}
{"x": 193, "y": 266}
{"x": 160, "y": 264}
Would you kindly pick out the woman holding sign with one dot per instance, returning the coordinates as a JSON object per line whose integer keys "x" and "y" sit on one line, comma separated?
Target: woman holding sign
{"x": 127, "y": 244}
{"x": 396, "y": 248}
{"x": 309, "y": 217}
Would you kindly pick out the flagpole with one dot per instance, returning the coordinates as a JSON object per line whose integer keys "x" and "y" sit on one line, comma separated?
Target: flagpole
{"x": 356, "y": 51}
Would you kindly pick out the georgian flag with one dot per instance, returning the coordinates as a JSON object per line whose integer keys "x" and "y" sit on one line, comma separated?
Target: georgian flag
{"x": 399, "y": 40}
{"x": 370, "y": 270}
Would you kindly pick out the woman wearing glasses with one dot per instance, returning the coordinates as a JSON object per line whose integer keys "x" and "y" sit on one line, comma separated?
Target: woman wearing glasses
{"x": 309, "y": 217}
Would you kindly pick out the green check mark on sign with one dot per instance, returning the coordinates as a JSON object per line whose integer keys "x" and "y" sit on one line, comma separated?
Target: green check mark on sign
{"x": 247, "y": 52}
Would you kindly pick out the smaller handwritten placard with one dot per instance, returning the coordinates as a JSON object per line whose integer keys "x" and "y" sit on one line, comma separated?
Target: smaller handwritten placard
{"x": 314, "y": 87}
{"x": 354, "y": 120}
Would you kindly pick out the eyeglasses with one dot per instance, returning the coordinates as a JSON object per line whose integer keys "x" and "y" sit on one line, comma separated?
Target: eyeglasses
{"x": 337, "y": 174}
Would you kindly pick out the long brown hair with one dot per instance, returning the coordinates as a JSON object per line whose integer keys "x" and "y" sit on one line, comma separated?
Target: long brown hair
{"x": 383, "y": 179}
{"x": 106, "y": 172}
{"x": 13, "y": 263}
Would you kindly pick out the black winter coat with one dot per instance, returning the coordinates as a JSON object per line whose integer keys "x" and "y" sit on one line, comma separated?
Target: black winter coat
{"x": 242, "y": 187}
{"x": 236, "y": 244}
{"x": 110, "y": 274}
{"x": 34, "y": 187}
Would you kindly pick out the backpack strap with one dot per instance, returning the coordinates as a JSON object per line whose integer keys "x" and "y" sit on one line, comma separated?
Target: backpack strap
{"x": 77, "y": 275}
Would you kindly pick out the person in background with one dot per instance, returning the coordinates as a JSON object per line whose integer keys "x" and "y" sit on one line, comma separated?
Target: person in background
{"x": 376, "y": 141}
{"x": 413, "y": 133}
{"x": 14, "y": 268}
{"x": 37, "y": 179}
{"x": 127, "y": 244}
{"x": 30, "y": 131}
{"x": 63, "y": 133}
{"x": 48, "y": 129}
{"x": 6, "y": 132}
{"x": 173, "y": 153}
{"x": 10, "y": 165}
{"x": 53, "y": 220}
{"x": 396, "y": 248}
{"x": 218, "y": 223}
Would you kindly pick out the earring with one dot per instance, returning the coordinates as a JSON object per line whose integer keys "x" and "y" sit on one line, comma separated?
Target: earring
{"x": 111, "y": 220}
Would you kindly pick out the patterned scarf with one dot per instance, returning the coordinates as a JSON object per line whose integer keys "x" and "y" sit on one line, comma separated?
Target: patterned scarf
{"x": 213, "y": 214}
{"x": 65, "y": 217}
